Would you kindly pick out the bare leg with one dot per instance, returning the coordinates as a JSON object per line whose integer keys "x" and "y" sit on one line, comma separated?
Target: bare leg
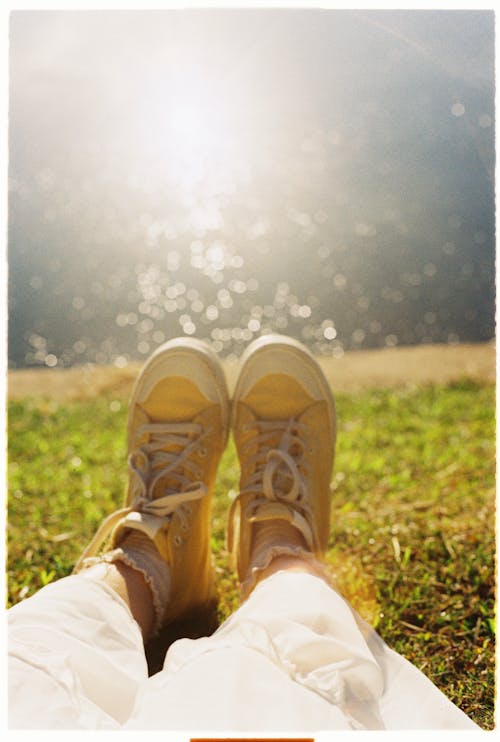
{"x": 131, "y": 586}
{"x": 281, "y": 534}
{"x": 290, "y": 564}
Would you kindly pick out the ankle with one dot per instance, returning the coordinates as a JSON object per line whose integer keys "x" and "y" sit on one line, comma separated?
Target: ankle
{"x": 273, "y": 533}
{"x": 291, "y": 563}
{"x": 131, "y": 586}
{"x": 139, "y": 575}
{"x": 277, "y": 545}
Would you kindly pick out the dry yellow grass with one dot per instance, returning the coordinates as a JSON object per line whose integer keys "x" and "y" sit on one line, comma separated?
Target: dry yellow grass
{"x": 391, "y": 367}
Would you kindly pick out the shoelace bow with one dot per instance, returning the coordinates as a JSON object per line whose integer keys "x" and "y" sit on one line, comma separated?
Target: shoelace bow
{"x": 152, "y": 462}
{"x": 273, "y": 468}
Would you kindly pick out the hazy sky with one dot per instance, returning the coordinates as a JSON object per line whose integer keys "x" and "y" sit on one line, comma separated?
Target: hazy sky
{"x": 264, "y": 145}
{"x": 81, "y": 79}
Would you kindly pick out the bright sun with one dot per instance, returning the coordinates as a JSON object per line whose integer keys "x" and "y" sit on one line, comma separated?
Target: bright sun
{"x": 194, "y": 127}
{"x": 199, "y": 133}
{"x": 186, "y": 124}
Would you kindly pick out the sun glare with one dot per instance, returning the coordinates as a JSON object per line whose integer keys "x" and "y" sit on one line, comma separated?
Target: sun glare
{"x": 194, "y": 125}
{"x": 186, "y": 125}
{"x": 197, "y": 132}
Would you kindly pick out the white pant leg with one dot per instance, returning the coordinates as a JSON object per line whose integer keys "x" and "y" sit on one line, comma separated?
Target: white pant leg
{"x": 292, "y": 658}
{"x": 76, "y": 657}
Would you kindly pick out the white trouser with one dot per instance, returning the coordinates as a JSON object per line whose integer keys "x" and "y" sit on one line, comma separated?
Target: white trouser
{"x": 294, "y": 657}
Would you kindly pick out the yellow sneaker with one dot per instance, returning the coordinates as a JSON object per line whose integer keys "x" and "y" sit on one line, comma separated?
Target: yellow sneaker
{"x": 283, "y": 422}
{"x": 177, "y": 430}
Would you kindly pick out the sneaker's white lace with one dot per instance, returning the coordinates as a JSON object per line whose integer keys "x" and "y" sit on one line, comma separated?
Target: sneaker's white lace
{"x": 166, "y": 456}
{"x": 278, "y": 476}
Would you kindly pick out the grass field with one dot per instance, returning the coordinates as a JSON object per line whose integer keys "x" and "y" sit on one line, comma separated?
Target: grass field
{"x": 412, "y": 524}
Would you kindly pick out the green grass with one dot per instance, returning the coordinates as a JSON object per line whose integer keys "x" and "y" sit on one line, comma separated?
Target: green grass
{"x": 412, "y": 526}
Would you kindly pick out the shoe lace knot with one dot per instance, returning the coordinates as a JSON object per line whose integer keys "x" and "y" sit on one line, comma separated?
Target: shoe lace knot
{"x": 164, "y": 478}
{"x": 276, "y": 485}
{"x": 162, "y": 473}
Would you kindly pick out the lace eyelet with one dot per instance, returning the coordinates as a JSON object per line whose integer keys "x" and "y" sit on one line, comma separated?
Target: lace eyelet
{"x": 177, "y": 540}
{"x": 203, "y": 452}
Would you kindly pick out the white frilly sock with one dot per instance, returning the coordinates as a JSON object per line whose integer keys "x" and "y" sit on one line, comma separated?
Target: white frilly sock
{"x": 273, "y": 538}
{"x": 138, "y": 551}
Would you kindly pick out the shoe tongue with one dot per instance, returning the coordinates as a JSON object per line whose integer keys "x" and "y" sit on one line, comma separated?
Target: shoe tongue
{"x": 160, "y": 490}
{"x": 166, "y": 486}
{"x": 168, "y": 483}
{"x": 282, "y": 481}
{"x": 279, "y": 475}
